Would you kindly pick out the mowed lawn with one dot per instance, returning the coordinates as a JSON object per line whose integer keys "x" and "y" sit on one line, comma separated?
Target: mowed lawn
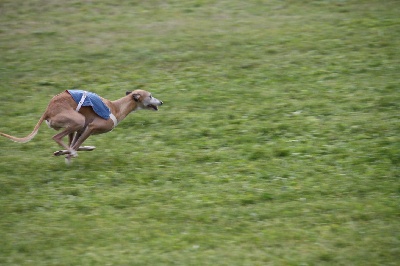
{"x": 278, "y": 142}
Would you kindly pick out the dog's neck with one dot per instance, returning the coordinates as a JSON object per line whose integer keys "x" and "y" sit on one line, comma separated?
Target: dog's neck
{"x": 122, "y": 107}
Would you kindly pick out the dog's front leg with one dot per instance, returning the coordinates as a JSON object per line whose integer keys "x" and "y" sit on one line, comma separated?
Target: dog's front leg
{"x": 81, "y": 138}
{"x": 77, "y": 136}
{"x": 70, "y": 138}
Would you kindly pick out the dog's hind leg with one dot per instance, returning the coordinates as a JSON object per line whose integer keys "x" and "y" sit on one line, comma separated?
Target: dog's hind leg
{"x": 70, "y": 138}
{"x": 58, "y": 138}
{"x": 72, "y": 122}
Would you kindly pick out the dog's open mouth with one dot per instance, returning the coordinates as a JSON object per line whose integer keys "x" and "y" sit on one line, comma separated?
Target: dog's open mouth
{"x": 154, "y": 107}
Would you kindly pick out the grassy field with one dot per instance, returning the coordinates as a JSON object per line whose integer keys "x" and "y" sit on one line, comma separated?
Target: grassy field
{"x": 278, "y": 142}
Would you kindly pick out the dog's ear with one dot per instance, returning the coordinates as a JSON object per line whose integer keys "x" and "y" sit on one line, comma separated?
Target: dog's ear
{"x": 136, "y": 97}
{"x": 128, "y": 92}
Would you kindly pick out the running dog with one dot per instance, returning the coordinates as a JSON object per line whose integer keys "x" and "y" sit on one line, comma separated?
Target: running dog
{"x": 81, "y": 114}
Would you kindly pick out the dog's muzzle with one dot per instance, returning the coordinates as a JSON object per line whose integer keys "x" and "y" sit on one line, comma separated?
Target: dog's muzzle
{"x": 154, "y": 106}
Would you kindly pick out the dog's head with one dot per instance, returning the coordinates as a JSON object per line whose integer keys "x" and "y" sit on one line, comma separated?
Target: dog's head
{"x": 144, "y": 100}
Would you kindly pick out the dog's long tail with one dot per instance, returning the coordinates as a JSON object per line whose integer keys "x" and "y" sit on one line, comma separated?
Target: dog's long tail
{"x": 30, "y": 136}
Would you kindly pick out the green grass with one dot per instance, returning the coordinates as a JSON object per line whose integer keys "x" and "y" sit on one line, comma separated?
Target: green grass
{"x": 278, "y": 143}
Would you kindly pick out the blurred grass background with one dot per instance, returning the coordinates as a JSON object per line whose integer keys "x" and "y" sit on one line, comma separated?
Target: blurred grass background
{"x": 278, "y": 143}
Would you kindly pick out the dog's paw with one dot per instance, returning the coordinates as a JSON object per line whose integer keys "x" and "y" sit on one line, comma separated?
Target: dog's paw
{"x": 71, "y": 153}
{"x": 68, "y": 160}
{"x": 59, "y": 153}
{"x": 86, "y": 148}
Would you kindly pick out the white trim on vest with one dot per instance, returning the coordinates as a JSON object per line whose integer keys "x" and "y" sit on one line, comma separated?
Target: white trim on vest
{"x": 114, "y": 119}
{"x": 81, "y": 101}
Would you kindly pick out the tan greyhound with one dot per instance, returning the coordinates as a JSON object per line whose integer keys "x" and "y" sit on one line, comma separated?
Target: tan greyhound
{"x": 79, "y": 121}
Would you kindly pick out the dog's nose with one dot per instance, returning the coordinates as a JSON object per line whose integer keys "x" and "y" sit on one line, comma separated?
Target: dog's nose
{"x": 161, "y": 102}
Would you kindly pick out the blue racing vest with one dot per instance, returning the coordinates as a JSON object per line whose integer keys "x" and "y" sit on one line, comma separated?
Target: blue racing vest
{"x": 93, "y": 100}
